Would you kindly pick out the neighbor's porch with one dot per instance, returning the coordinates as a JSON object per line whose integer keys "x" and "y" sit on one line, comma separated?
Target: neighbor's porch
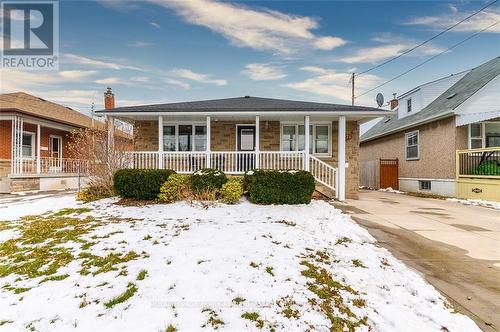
{"x": 237, "y": 144}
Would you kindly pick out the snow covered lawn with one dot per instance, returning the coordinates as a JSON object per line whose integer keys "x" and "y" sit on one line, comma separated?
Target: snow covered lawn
{"x": 107, "y": 267}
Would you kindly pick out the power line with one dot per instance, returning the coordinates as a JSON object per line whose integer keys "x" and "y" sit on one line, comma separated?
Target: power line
{"x": 428, "y": 40}
{"x": 431, "y": 58}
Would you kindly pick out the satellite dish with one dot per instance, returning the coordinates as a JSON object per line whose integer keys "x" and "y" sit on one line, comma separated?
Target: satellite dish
{"x": 380, "y": 99}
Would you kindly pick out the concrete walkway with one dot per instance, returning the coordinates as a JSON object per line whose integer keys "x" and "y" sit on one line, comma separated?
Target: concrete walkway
{"x": 455, "y": 247}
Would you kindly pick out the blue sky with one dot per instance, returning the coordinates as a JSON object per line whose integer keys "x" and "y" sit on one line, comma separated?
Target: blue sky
{"x": 165, "y": 51}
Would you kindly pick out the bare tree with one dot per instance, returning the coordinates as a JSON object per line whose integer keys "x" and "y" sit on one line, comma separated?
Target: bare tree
{"x": 101, "y": 155}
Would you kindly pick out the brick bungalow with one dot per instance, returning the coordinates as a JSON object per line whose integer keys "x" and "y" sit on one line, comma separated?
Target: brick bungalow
{"x": 34, "y": 140}
{"x": 240, "y": 134}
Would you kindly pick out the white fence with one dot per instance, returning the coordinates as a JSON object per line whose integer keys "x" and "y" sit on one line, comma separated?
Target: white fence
{"x": 46, "y": 165}
{"x": 323, "y": 173}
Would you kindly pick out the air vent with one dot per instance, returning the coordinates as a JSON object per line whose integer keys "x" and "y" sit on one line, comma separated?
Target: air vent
{"x": 451, "y": 96}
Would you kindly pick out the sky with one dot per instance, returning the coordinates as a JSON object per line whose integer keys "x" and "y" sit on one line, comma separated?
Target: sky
{"x": 159, "y": 51}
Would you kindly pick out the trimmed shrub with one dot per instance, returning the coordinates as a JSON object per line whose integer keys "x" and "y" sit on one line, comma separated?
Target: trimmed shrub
{"x": 207, "y": 179}
{"x": 232, "y": 190}
{"x": 279, "y": 187}
{"x": 140, "y": 183}
{"x": 94, "y": 193}
{"x": 176, "y": 187}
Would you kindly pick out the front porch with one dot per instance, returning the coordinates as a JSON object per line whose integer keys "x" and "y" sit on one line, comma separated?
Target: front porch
{"x": 237, "y": 144}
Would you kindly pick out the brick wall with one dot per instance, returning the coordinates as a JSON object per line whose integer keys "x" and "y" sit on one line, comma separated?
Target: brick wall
{"x": 5, "y": 142}
{"x": 146, "y": 136}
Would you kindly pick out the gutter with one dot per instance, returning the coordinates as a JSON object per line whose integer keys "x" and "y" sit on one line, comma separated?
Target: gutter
{"x": 428, "y": 120}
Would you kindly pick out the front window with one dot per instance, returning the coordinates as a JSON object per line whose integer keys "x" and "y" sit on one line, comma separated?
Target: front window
{"x": 184, "y": 137}
{"x": 408, "y": 105}
{"x": 288, "y": 138}
{"x": 319, "y": 138}
{"x": 169, "y": 138}
{"x": 28, "y": 145}
{"x": 484, "y": 135}
{"x": 412, "y": 141}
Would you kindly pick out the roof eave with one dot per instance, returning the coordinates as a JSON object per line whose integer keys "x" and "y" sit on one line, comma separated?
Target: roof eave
{"x": 411, "y": 125}
{"x": 373, "y": 114}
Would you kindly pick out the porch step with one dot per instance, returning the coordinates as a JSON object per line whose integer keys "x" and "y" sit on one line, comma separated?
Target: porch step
{"x": 324, "y": 190}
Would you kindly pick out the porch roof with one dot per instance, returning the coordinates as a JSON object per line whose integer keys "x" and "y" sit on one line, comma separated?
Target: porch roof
{"x": 246, "y": 105}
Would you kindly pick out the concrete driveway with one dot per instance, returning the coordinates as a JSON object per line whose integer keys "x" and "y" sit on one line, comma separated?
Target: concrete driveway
{"x": 456, "y": 247}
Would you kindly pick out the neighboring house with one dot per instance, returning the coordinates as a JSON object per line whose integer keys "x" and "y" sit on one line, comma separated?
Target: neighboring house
{"x": 433, "y": 121}
{"x": 34, "y": 140}
{"x": 240, "y": 134}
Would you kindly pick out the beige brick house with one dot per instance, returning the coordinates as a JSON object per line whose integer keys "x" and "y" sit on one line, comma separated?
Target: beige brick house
{"x": 431, "y": 122}
{"x": 240, "y": 134}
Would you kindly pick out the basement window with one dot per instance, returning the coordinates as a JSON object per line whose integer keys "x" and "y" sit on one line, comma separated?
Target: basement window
{"x": 424, "y": 185}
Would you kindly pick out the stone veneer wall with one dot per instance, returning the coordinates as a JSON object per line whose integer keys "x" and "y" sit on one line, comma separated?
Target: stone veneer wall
{"x": 223, "y": 138}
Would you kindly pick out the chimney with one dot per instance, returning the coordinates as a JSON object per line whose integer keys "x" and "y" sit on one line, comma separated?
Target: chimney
{"x": 109, "y": 99}
{"x": 393, "y": 102}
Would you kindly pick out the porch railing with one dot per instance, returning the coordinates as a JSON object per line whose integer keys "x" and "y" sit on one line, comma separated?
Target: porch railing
{"x": 478, "y": 163}
{"x": 47, "y": 165}
{"x": 235, "y": 162}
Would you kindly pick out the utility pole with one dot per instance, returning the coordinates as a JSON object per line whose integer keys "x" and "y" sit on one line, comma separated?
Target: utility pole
{"x": 352, "y": 92}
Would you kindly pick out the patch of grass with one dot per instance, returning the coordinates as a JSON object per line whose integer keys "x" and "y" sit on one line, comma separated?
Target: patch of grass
{"x": 4, "y": 321}
{"x": 360, "y": 303}
{"x": 147, "y": 237}
{"x": 55, "y": 278}
{"x": 201, "y": 261}
{"x": 343, "y": 240}
{"x": 358, "y": 263}
{"x": 142, "y": 275}
{"x": 254, "y": 265}
{"x": 238, "y": 300}
{"x": 104, "y": 264}
{"x": 269, "y": 270}
{"x": 21, "y": 290}
{"x": 171, "y": 328}
{"x": 286, "y": 222}
{"x": 213, "y": 319}
{"x": 254, "y": 317}
{"x": 288, "y": 311}
{"x": 328, "y": 290}
{"x": 67, "y": 211}
{"x": 127, "y": 294}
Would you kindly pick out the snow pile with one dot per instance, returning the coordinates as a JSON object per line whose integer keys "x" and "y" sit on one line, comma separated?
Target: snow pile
{"x": 226, "y": 262}
{"x": 11, "y": 209}
{"x": 476, "y": 202}
{"x": 390, "y": 190}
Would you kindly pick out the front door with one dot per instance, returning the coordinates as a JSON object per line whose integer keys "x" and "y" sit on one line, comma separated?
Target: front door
{"x": 55, "y": 151}
{"x": 246, "y": 143}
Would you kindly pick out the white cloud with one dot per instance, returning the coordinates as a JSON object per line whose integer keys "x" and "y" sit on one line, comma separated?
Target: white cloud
{"x": 197, "y": 77}
{"x": 156, "y": 25}
{"x": 474, "y": 24}
{"x": 110, "y": 81}
{"x": 81, "y": 60}
{"x": 181, "y": 84}
{"x": 260, "y": 29}
{"x": 140, "y": 79}
{"x": 332, "y": 83}
{"x": 263, "y": 72}
{"x": 139, "y": 44}
{"x": 76, "y": 74}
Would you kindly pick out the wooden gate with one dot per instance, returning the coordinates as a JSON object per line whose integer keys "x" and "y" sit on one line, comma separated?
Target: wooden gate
{"x": 389, "y": 176}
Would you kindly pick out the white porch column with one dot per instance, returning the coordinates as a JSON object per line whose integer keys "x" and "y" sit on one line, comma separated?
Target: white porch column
{"x": 341, "y": 159}
{"x": 160, "y": 142}
{"x": 306, "y": 142}
{"x": 38, "y": 143}
{"x": 208, "y": 143}
{"x": 257, "y": 142}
